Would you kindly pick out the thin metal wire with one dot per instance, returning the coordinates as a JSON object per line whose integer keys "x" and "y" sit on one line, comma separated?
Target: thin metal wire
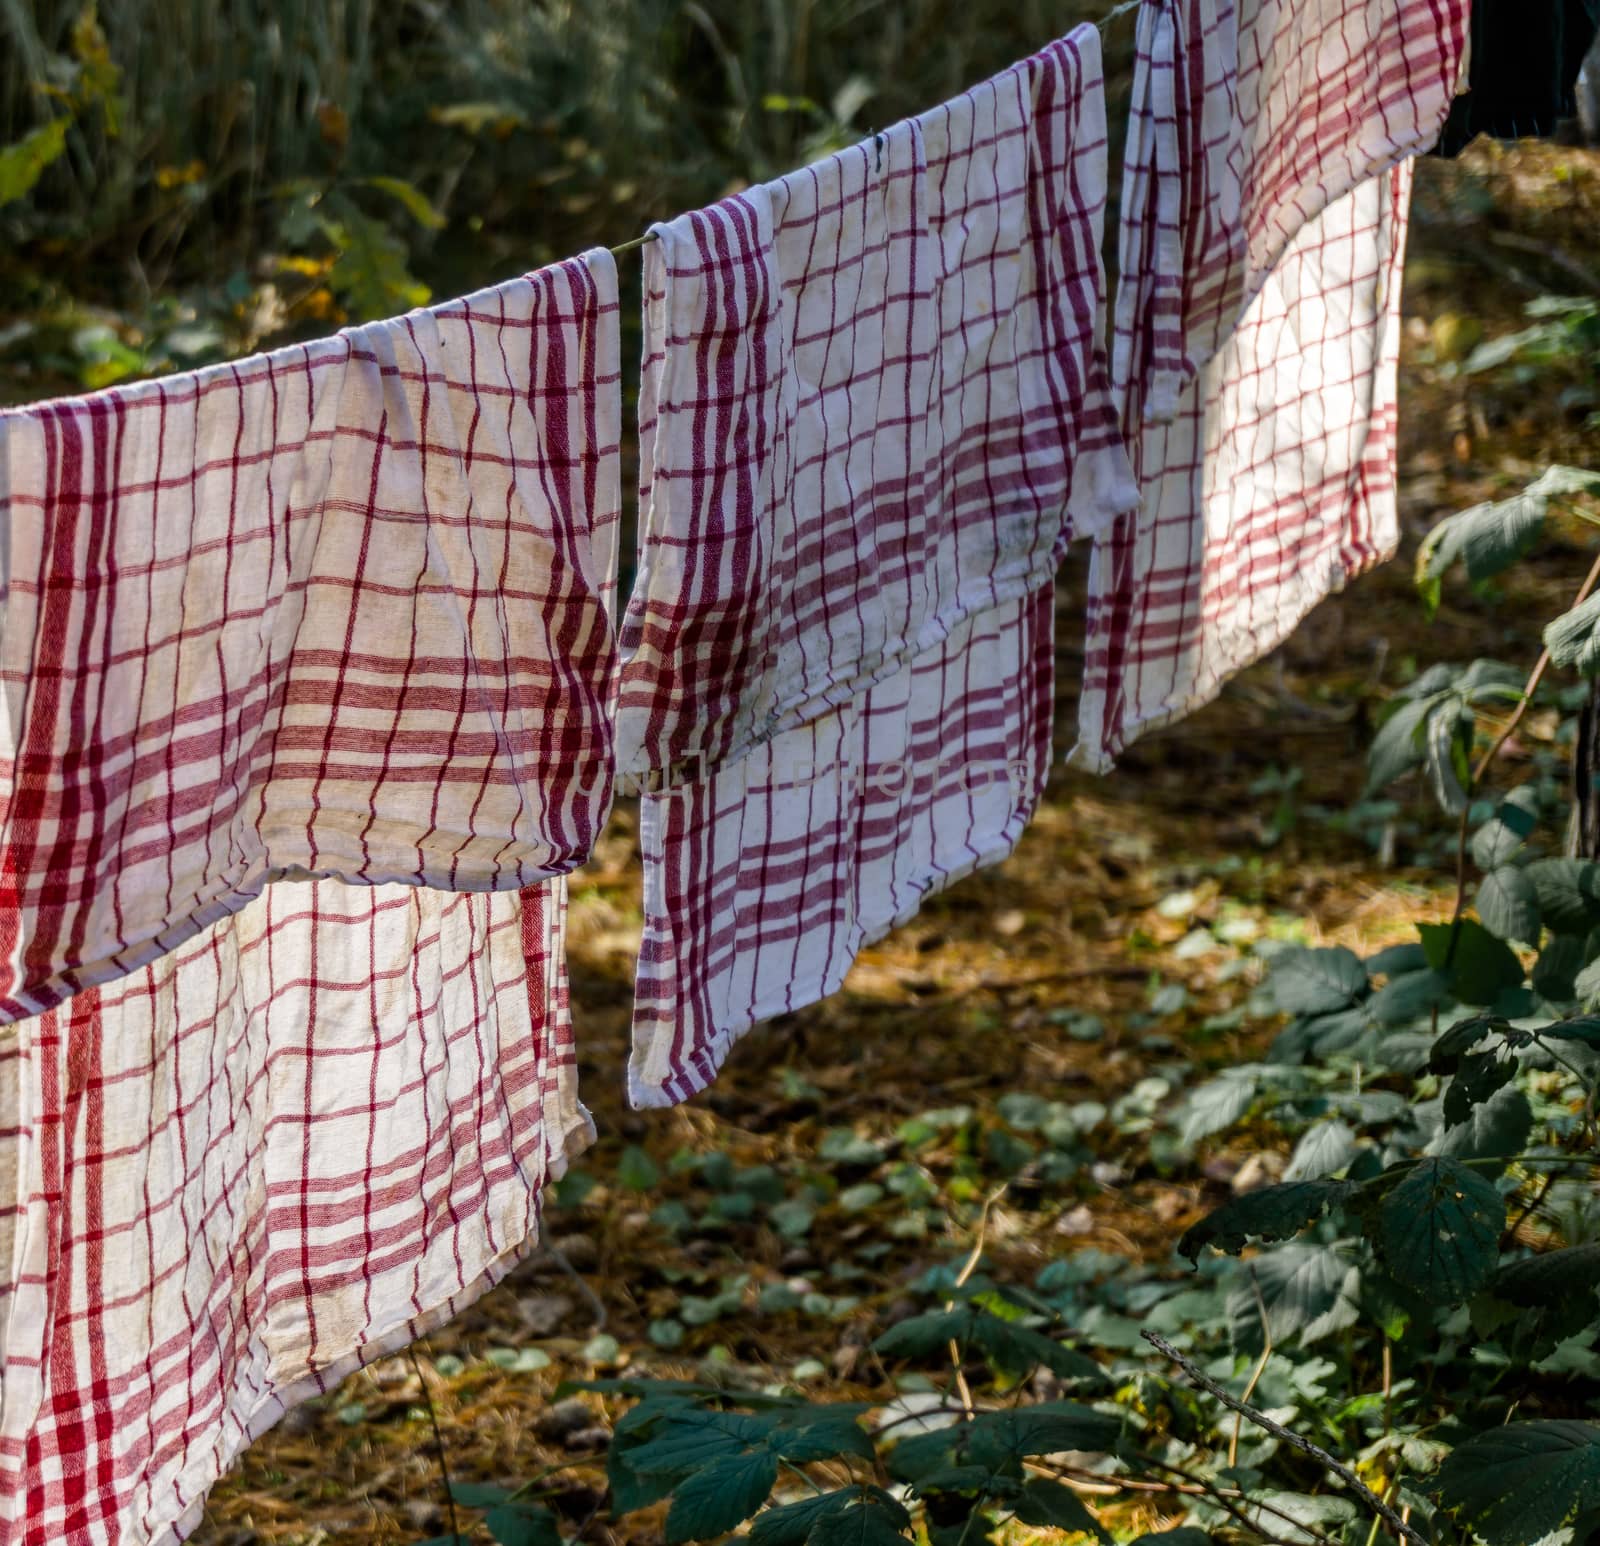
{"x": 1104, "y": 22}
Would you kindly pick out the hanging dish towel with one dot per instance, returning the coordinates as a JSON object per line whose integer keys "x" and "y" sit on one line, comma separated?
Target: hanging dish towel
{"x": 875, "y": 407}
{"x": 1258, "y": 136}
{"x": 303, "y": 1138}
{"x": 332, "y": 611}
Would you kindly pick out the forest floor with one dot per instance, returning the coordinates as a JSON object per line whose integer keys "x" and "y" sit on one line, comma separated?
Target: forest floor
{"x": 1114, "y": 947}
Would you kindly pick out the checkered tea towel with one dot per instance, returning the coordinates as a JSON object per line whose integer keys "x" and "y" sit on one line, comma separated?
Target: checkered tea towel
{"x": 335, "y": 610}
{"x": 1273, "y": 485}
{"x": 875, "y": 407}
{"x": 766, "y": 878}
{"x": 1249, "y": 118}
{"x": 304, "y": 1137}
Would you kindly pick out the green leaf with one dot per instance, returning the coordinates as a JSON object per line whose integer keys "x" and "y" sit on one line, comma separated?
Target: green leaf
{"x": 1438, "y": 1229}
{"x": 23, "y": 163}
{"x": 721, "y": 1496}
{"x": 1012, "y": 1349}
{"x": 1324, "y": 1148}
{"x": 1447, "y": 754}
{"x": 1491, "y": 537}
{"x": 523, "y": 1524}
{"x": 1572, "y": 638}
{"x": 1555, "y": 973}
{"x": 1498, "y": 1128}
{"x": 1053, "y": 1505}
{"x": 1501, "y": 837}
{"x": 1184, "y": 1535}
{"x": 1461, "y": 1038}
{"x": 1480, "y": 1075}
{"x": 1000, "y": 1439}
{"x": 1217, "y": 1104}
{"x": 1508, "y": 904}
{"x": 788, "y": 1524}
{"x": 874, "y": 1521}
{"x": 411, "y": 198}
{"x": 1308, "y": 1290}
{"x": 1397, "y": 748}
{"x": 1581, "y": 1028}
{"x": 1316, "y": 982}
{"x": 1271, "y": 1213}
{"x": 1480, "y": 967}
{"x": 478, "y": 1494}
{"x": 684, "y": 1438}
{"x": 822, "y": 1434}
{"x": 1405, "y": 997}
{"x": 1517, "y": 1484}
{"x": 1569, "y": 893}
{"x": 636, "y": 1170}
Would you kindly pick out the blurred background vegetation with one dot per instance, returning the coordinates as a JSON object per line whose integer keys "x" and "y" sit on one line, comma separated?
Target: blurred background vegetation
{"x": 186, "y": 180}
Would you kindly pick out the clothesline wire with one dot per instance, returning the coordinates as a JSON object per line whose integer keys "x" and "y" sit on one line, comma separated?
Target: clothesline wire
{"x": 1104, "y": 22}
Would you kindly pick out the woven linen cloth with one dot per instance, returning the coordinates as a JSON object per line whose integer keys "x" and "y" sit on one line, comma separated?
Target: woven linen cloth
{"x": 1272, "y": 487}
{"x": 1250, "y": 121}
{"x": 875, "y": 407}
{"x": 301, "y": 1139}
{"x": 334, "y": 610}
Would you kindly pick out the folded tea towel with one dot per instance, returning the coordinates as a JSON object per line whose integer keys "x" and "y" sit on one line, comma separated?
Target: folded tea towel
{"x": 335, "y": 610}
{"x": 1274, "y": 484}
{"x": 1251, "y": 119}
{"x": 296, "y": 1142}
{"x": 875, "y": 408}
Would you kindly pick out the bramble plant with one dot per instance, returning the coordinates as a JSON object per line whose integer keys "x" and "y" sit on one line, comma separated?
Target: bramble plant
{"x": 1395, "y": 1341}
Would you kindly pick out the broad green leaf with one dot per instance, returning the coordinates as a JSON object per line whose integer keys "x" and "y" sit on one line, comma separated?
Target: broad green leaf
{"x": 1480, "y": 967}
{"x": 1508, "y": 905}
{"x": 1517, "y": 1484}
{"x": 1479, "y": 1076}
{"x": 1581, "y": 1028}
{"x": 1491, "y": 537}
{"x": 1438, "y": 1229}
{"x": 688, "y": 1437}
{"x": 874, "y": 1521}
{"x": 1012, "y": 1349}
{"x": 1184, "y": 1535}
{"x": 1461, "y": 1038}
{"x": 22, "y": 164}
{"x": 821, "y": 1434}
{"x": 1052, "y": 1505}
{"x": 788, "y": 1524}
{"x": 1555, "y": 973}
{"x": 1405, "y": 997}
{"x": 1447, "y": 755}
{"x": 1309, "y": 1290}
{"x": 1316, "y": 982}
{"x": 1000, "y": 1438}
{"x": 841, "y": 1146}
{"x": 1397, "y": 961}
{"x": 1498, "y": 1129}
{"x": 1272, "y": 1213}
{"x": 1501, "y": 837}
{"x": 1569, "y": 893}
{"x": 721, "y": 1496}
{"x": 1554, "y": 1277}
{"x": 523, "y": 1524}
{"x": 1324, "y": 1148}
{"x": 1573, "y": 640}
{"x": 478, "y": 1494}
{"x": 1397, "y": 748}
{"x": 1216, "y": 1105}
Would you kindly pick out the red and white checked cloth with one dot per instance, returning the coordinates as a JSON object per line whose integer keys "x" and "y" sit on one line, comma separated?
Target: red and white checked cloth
{"x": 1272, "y": 487}
{"x": 298, "y": 1141}
{"x": 335, "y": 610}
{"x": 875, "y": 408}
{"x": 1250, "y": 120}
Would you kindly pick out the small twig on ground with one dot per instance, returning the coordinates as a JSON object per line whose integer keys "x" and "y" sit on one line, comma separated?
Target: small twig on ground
{"x": 1288, "y": 1436}
{"x": 967, "y": 1269}
{"x": 438, "y": 1444}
